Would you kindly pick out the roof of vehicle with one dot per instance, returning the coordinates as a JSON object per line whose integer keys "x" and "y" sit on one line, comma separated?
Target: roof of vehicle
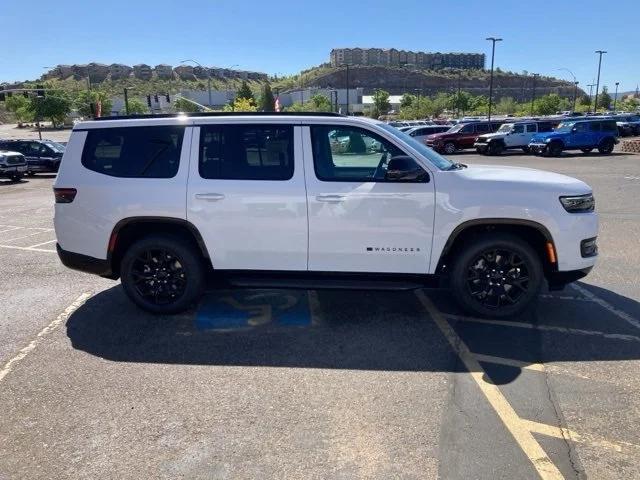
{"x": 198, "y": 118}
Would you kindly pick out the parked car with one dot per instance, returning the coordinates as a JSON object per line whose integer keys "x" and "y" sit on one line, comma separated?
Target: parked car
{"x": 421, "y": 133}
{"x": 43, "y": 156}
{"x": 582, "y": 135}
{"x": 12, "y": 165}
{"x": 511, "y": 135}
{"x": 263, "y": 200}
{"x": 628, "y": 124}
{"x": 460, "y": 136}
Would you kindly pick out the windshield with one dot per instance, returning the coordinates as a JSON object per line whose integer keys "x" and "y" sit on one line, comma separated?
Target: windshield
{"x": 506, "y": 128}
{"x": 456, "y": 128}
{"x": 432, "y": 156}
{"x": 56, "y": 147}
{"x": 565, "y": 127}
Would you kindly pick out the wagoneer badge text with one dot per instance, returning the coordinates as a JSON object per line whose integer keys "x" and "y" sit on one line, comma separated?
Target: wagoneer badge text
{"x": 392, "y": 249}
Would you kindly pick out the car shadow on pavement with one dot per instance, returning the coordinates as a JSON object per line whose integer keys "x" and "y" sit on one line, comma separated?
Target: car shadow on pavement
{"x": 362, "y": 330}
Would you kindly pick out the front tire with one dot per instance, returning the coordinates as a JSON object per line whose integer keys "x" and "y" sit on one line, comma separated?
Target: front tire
{"x": 496, "y": 148}
{"x": 162, "y": 274}
{"x": 554, "y": 149}
{"x": 449, "y": 148}
{"x": 16, "y": 178}
{"x": 496, "y": 275}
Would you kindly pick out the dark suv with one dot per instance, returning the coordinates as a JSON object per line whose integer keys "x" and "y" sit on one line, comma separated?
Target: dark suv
{"x": 460, "y": 137}
{"x": 43, "y": 156}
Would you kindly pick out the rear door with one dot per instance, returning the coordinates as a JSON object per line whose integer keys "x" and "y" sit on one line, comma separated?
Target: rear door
{"x": 246, "y": 195}
{"x": 360, "y": 218}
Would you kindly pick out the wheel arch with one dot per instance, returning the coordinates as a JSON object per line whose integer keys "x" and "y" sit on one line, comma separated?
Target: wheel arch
{"x": 130, "y": 229}
{"x": 534, "y": 233}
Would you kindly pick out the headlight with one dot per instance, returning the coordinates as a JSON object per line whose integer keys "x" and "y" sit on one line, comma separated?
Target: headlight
{"x": 579, "y": 203}
{"x": 547, "y": 140}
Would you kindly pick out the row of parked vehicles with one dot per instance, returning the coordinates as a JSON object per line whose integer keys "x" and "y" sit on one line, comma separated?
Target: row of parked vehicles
{"x": 28, "y": 157}
{"x": 547, "y": 136}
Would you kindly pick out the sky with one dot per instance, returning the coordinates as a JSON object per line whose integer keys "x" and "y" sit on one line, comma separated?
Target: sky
{"x": 283, "y": 37}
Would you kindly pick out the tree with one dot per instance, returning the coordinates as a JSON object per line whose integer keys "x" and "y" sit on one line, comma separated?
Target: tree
{"x": 604, "y": 99}
{"x": 550, "y": 104}
{"x": 381, "y": 105}
{"x": 406, "y": 100}
{"x": 55, "y": 106}
{"x": 318, "y": 103}
{"x": 21, "y": 107}
{"x": 245, "y": 92}
{"x": 506, "y": 105}
{"x": 240, "y": 105}
{"x": 87, "y": 98}
{"x": 137, "y": 107}
{"x": 267, "y": 102}
{"x": 462, "y": 102}
{"x": 585, "y": 100}
{"x": 183, "y": 105}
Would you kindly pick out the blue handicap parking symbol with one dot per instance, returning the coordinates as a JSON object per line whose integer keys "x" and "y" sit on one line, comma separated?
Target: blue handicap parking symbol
{"x": 233, "y": 309}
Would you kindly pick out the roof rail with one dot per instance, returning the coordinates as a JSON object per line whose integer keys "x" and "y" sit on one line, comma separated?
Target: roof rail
{"x": 223, "y": 114}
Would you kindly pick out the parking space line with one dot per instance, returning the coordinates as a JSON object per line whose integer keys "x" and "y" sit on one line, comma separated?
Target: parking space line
{"x": 40, "y": 244}
{"x": 567, "y": 434}
{"x": 509, "y": 362}
{"x": 11, "y": 229}
{"x": 6, "y": 369}
{"x": 28, "y": 249}
{"x": 565, "y": 297}
{"x": 607, "y": 306}
{"x": 549, "y": 328}
{"x": 541, "y": 462}
{"x": 23, "y": 236}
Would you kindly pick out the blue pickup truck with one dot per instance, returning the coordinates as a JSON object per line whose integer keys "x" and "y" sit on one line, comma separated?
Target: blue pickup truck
{"x": 573, "y": 134}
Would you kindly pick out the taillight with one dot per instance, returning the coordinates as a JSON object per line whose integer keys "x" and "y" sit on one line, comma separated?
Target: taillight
{"x": 64, "y": 195}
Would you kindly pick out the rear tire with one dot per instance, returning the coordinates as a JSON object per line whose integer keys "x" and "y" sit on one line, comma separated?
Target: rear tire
{"x": 496, "y": 275}
{"x": 162, "y": 274}
{"x": 606, "y": 146}
{"x": 526, "y": 149}
{"x": 16, "y": 178}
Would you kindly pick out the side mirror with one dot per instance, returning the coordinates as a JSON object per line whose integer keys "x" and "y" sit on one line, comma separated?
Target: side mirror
{"x": 404, "y": 169}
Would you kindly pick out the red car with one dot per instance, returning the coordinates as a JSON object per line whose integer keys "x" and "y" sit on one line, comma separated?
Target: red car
{"x": 460, "y": 136}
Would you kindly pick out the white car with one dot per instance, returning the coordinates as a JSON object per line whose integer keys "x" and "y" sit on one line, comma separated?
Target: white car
{"x": 511, "y": 136}
{"x": 268, "y": 200}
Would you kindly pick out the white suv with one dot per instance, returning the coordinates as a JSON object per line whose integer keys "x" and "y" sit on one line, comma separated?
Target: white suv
{"x": 512, "y": 135}
{"x": 317, "y": 200}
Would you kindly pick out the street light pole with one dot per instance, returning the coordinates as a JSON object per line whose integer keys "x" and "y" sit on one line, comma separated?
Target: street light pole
{"x": 347, "y": 67}
{"x": 458, "y": 96}
{"x": 533, "y": 93}
{"x": 599, "y": 52}
{"x": 493, "y": 41}
{"x": 591, "y": 85}
{"x": 615, "y": 97}
{"x": 575, "y": 94}
{"x": 208, "y": 77}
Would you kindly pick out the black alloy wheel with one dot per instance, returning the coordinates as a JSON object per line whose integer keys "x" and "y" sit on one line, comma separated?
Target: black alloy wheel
{"x": 158, "y": 276}
{"x": 606, "y": 146}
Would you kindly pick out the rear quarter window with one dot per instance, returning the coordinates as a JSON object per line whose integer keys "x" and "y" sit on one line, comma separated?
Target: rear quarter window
{"x": 134, "y": 152}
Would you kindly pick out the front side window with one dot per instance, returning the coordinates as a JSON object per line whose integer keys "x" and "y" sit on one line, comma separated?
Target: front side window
{"x": 581, "y": 127}
{"x": 467, "y": 129}
{"x": 482, "y": 128}
{"x": 134, "y": 152}
{"x": 246, "y": 152}
{"x": 351, "y": 154}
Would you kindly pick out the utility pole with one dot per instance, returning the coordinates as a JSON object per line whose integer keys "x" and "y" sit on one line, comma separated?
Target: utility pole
{"x": 533, "y": 92}
{"x": 591, "y": 85}
{"x": 126, "y": 101}
{"x": 615, "y": 97}
{"x": 575, "y": 94}
{"x": 347, "y": 67}
{"x": 599, "y": 52}
{"x": 493, "y": 41}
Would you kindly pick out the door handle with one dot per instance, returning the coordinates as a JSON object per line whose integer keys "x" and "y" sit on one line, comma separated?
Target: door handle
{"x": 209, "y": 197}
{"x": 331, "y": 198}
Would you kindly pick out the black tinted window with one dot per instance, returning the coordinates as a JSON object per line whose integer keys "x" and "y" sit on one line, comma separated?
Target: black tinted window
{"x": 146, "y": 152}
{"x": 545, "y": 127}
{"x": 609, "y": 127}
{"x": 482, "y": 128}
{"x": 246, "y": 152}
{"x": 594, "y": 126}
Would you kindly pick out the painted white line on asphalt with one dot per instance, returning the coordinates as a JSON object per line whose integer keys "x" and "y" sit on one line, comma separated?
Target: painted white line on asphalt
{"x": 607, "y": 306}
{"x": 6, "y": 369}
{"x": 16, "y": 227}
{"x": 548, "y": 328}
{"x": 40, "y": 244}
{"x": 28, "y": 249}
{"x": 10, "y": 229}
{"x": 566, "y": 434}
{"x": 523, "y": 437}
{"x": 538, "y": 367}
{"x": 23, "y": 236}
{"x": 565, "y": 297}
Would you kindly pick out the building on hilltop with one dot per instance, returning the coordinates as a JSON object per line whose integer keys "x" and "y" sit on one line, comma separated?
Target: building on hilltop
{"x": 142, "y": 71}
{"x": 164, "y": 71}
{"x": 118, "y": 71}
{"x": 396, "y": 58}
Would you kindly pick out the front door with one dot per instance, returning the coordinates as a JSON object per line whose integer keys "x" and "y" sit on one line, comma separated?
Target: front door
{"x": 246, "y": 195}
{"x": 363, "y": 215}
{"x": 579, "y": 135}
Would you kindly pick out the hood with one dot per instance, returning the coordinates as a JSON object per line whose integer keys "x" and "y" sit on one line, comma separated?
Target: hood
{"x": 493, "y": 135}
{"x": 525, "y": 178}
{"x": 541, "y": 137}
{"x": 441, "y": 135}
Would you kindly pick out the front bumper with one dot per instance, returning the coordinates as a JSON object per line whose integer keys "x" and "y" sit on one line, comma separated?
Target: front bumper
{"x": 481, "y": 147}
{"x": 558, "y": 280}
{"x": 10, "y": 170}
{"x": 537, "y": 148}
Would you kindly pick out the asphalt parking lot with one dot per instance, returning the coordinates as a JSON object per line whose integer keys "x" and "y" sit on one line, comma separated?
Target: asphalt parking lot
{"x": 320, "y": 384}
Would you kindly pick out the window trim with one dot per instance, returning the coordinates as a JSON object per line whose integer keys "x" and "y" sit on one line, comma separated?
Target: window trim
{"x": 376, "y": 136}
{"x": 222, "y": 126}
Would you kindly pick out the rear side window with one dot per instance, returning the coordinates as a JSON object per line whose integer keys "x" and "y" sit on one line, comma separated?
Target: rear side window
{"x": 545, "y": 127}
{"x": 482, "y": 128}
{"x": 594, "y": 126}
{"x": 609, "y": 127}
{"x": 246, "y": 152}
{"x": 134, "y": 152}
{"x": 518, "y": 128}
{"x": 531, "y": 128}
